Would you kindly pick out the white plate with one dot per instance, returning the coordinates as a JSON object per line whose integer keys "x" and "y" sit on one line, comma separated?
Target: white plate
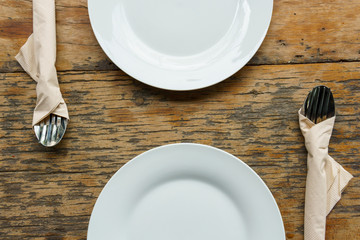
{"x": 180, "y": 44}
{"x": 186, "y": 192}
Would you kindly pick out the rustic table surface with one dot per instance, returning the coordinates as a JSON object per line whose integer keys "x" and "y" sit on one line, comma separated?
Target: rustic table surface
{"x": 49, "y": 193}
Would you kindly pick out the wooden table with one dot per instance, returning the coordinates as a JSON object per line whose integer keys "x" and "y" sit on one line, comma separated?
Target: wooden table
{"x": 49, "y": 193}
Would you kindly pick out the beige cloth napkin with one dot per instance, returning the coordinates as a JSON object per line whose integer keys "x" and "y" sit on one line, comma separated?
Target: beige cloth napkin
{"x": 326, "y": 179}
{"x": 37, "y": 57}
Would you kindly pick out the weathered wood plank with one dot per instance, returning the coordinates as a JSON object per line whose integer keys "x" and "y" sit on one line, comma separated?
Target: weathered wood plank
{"x": 49, "y": 193}
{"x": 300, "y": 32}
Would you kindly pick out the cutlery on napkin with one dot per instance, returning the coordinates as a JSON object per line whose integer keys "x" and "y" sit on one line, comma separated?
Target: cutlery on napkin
{"x": 37, "y": 57}
{"x": 326, "y": 179}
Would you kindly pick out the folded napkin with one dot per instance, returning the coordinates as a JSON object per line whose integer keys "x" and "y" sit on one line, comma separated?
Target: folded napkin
{"x": 37, "y": 57}
{"x": 326, "y": 179}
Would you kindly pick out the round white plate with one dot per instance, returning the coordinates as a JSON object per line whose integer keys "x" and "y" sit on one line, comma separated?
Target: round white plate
{"x": 186, "y": 191}
{"x": 180, "y": 44}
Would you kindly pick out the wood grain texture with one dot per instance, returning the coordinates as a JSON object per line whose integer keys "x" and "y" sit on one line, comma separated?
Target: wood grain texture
{"x": 49, "y": 193}
{"x": 300, "y": 32}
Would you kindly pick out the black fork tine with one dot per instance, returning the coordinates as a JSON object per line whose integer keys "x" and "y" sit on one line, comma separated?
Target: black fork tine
{"x": 315, "y": 101}
{"x": 322, "y": 91}
{"x": 308, "y": 105}
{"x": 331, "y": 108}
{"x": 326, "y": 102}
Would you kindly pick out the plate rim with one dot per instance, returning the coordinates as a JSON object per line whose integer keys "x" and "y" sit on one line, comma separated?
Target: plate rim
{"x": 180, "y": 87}
{"x": 239, "y": 161}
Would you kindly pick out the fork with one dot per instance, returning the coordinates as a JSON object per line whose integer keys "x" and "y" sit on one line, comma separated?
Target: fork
{"x": 51, "y": 130}
{"x": 319, "y": 104}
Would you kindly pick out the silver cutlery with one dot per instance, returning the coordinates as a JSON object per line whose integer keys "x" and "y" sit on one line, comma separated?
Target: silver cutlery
{"x": 51, "y": 130}
{"x": 319, "y": 104}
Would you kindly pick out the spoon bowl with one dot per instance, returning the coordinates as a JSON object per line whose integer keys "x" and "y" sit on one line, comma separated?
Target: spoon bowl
{"x": 51, "y": 130}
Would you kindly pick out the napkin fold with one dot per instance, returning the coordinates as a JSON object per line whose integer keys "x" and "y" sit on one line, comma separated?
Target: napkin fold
{"x": 37, "y": 57}
{"x": 326, "y": 179}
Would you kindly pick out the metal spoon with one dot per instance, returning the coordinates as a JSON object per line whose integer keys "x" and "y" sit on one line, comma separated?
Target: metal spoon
{"x": 319, "y": 104}
{"x": 51, "y": 130}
